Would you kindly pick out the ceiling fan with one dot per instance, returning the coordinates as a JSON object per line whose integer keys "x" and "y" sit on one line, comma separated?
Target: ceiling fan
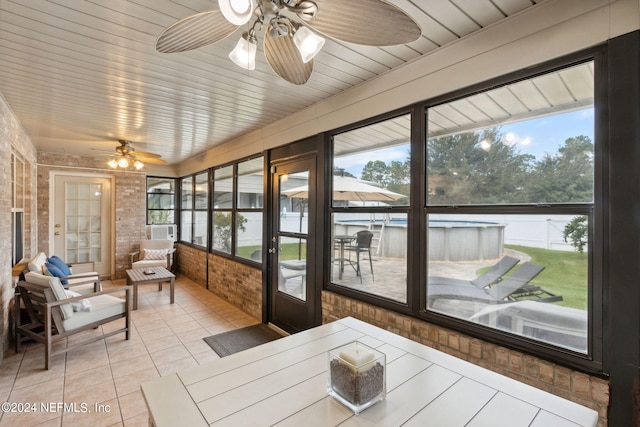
{"x": 126, "y": 156}
{"x": 289, "y": 44}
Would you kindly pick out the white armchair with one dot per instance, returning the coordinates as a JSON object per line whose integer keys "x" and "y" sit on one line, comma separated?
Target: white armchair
{"x": 153, "y": 253}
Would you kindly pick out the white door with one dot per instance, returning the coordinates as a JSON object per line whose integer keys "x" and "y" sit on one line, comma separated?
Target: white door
{"x": 82, "y": 220}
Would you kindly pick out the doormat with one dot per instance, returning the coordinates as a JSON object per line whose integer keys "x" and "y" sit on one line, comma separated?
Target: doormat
{"x": 231, "y": 342}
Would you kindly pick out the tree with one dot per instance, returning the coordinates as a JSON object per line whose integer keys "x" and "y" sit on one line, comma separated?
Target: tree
{"x": 566, "y": 176}
{"x": 476, "y": 168}
{"x": 222, "y": 229}
{"x": 576, "y": 231}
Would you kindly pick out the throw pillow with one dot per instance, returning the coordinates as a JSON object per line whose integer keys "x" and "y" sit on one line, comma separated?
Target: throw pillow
{"x": 155, "y": 253}
{"x": 58, "y": 262}
{"x": 54, "y": 271}
{"x": 80, "y": 305}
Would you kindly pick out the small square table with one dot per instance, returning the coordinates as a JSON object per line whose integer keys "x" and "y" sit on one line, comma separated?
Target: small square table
{"x": 139, "y": 276}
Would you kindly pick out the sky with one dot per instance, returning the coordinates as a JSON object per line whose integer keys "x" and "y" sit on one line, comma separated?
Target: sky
{"x": 540, "y": 136}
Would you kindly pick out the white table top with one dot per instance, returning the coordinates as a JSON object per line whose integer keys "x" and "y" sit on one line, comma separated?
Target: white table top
{"x": 284, "y": 383}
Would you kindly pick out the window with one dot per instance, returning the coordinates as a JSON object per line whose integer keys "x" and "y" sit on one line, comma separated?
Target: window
{"x": 250, "y": 202}
{"x": 18, "y": 189}
{"x": 369, "y": 208}
{"x": 161, "y": 200}
{"x": 238, "y": 209}
{"x": 194, "y": 209}
{"x": 516, "y": 164}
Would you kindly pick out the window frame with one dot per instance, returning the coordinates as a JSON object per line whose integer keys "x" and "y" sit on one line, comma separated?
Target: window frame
{"x": 234, "y": 210}
{"x": 173, "y": 194}
{"x": 193, "y": 210}
{"x": 593, "y": 360}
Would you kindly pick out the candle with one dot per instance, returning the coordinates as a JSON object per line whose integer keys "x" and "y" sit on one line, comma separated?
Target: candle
{"x": 358, "y": 357}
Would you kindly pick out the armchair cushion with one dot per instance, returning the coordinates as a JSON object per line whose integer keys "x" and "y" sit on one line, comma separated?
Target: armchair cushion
{"x": 36, "y": 264}
{"x": 82, "y": 305}
{"x": 102, "y": 307}
{"x": 58, "y": 262}
{"x": 54, "y": 284}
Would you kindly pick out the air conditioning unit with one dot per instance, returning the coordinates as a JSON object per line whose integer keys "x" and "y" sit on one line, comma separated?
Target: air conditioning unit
{"x": 162, "y": 232}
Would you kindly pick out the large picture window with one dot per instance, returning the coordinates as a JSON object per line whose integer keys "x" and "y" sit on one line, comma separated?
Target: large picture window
{"x": 369, "y": 213}
{"x": 516, "y": 164}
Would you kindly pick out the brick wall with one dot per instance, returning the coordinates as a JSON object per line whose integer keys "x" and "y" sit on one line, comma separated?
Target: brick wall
{"x": 130, "y": 202}
{"x": 192, "y": 262}
{"x": 13, "y": 138}
{"x": 237, "y": 283}
{"x": 581, "y": 388}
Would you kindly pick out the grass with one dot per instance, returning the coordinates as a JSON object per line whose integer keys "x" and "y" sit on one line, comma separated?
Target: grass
{"x": 565, "y": 273}
{"x": 287, "y": 251}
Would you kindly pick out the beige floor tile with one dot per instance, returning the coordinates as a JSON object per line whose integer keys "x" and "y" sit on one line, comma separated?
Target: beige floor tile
{"x": 169, "y": 354}
{"x": 93, "y": 394}
{"x": 87, "y": 378}
{"x": 141, "y": 420}
{"x": 105, "y": 414}
{"x": 131, "y": 365}
{"x": 130, "y": 383}
{"x": 165, "y": 338}
{"x": 169, "y": 368}
{"x": 132, "y": 404}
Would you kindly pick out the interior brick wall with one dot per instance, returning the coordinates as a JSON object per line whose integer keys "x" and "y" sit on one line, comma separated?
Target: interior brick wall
{"x": 192, "y": 263}
{"x": 581, "y": 388}
{"x": 237, "y": 283}
{"x": 13, "y": 138}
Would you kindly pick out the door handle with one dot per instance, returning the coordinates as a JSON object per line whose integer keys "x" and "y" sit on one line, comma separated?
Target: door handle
{"x": 57, "y": 233}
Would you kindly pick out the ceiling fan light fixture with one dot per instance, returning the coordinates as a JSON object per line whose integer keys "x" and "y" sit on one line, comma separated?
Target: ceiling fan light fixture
{"x": 308, "y": 43}
{"x": 123, "y": 162}
{"x": 237, "y": 12}
{"x": 244, "y": 54}
{"x": 113, "y": 163}
{"x": 138, "y": 165}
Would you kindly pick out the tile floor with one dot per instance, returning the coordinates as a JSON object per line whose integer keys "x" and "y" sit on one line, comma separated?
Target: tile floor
{"x": 99, "y": 384}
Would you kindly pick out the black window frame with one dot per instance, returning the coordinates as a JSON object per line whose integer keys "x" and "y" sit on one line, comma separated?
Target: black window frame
{"x": 173, "y": 194}
{"x": 193, "y": 209}
{"x": 234, "y": 210}
{"x": 593, "y": 362}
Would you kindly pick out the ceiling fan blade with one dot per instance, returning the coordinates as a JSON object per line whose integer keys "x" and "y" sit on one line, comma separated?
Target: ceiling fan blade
{"x": 365, "y": 22}
{"x": 285, "y": 60}
{"x": 142, "y": 155}
{"x": 195, "y": 31}
{"x": 154, "y": 161}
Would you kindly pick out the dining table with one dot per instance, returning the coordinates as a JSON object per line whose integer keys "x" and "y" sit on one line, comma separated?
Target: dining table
{"x": 285, "y": 383}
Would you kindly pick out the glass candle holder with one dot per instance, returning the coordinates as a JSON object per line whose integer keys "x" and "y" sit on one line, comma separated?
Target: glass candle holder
{"x": 356, "y": 375}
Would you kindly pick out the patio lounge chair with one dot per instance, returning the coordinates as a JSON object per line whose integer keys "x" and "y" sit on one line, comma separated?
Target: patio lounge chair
{"x": 53, "y": 315}
{"x": 488, "y": 278}
{"x": 514, "y": 287}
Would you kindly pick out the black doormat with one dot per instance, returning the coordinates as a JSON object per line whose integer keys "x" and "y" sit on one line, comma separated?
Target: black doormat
{"x": 231, "y": 342}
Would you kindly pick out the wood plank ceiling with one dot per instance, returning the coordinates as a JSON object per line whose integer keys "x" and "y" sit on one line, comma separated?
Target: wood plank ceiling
{"x": 79, "y": 75}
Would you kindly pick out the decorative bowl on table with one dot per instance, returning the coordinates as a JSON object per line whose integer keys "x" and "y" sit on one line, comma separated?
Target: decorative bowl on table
{"x": 356, "y": 375}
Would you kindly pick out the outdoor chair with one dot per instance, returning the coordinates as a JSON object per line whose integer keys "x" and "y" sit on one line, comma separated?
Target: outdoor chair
{"x": 53, "y": 315}
{"x": 153, "y": 253}
{"x": 361, "y": 244}
{"x": 54, "y": 266}
{"x": 491, "y": 276}
{"x": 511, "y": 288}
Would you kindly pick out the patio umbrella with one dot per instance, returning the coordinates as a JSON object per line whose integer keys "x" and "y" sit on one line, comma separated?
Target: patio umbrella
{"x": 347, "y": 188}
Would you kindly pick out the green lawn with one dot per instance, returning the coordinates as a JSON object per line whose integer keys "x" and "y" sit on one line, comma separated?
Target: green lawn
{"x": 565, "y": 273}
{"x": 287, "y": 251}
